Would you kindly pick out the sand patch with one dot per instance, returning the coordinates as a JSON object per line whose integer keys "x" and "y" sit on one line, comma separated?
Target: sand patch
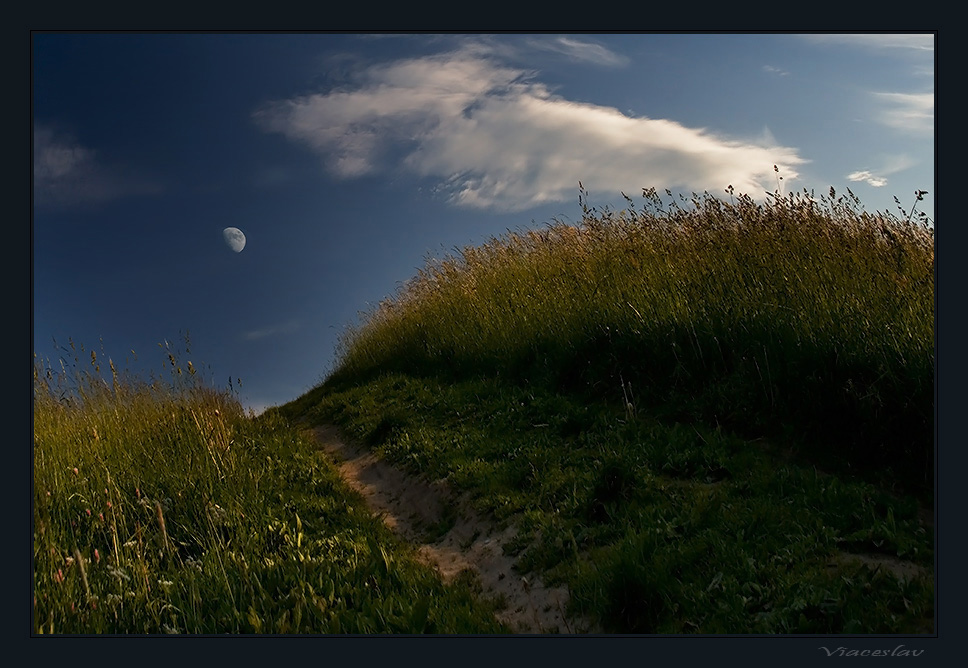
{"x": 451, "y": 536}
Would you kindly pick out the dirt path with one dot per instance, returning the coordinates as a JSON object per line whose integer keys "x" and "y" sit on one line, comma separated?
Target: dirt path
{"x": 451, "y": 537}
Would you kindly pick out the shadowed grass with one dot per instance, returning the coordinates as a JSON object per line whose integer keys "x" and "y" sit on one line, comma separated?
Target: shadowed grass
{"x": 703, "y": 417}
{"x": 618, "y": 506}
{"x": 798, "y": 315}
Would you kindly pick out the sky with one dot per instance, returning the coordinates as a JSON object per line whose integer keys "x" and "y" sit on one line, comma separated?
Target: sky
{"x": 348, "y": 160}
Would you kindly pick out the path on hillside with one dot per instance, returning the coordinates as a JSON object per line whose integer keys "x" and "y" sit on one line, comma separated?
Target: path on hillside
{"x": 413, "y": 508}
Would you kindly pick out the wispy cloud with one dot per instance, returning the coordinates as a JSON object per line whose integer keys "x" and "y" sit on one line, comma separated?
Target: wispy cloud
{"x": 910, "y": 112}
{"x": 914, "y": 42}
{"x": 493, "y": 137}
{"x": 67, "y": 173}
{"x": 775, "y": 71}
{"x": 271, "y": 177}
{"x": 282, "y": 328}
{"x": 579, "y": 50}
{"x": 867, "y": 177}
{"x": 878, "y": 177}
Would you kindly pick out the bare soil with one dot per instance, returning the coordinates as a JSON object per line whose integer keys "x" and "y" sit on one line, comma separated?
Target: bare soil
{"x": 452, "y": 537}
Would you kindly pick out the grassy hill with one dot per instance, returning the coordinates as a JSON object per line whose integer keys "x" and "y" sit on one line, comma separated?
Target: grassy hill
{"x": 703, "y": 416}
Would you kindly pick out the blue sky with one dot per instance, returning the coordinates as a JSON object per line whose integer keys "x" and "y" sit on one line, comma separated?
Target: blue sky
{"x": 348, "y": 159}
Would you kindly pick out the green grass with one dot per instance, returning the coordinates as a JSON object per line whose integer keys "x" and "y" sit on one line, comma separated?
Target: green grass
{"x": 159, "y": 507}
{"x": 800, "y": 315}
{"x": 695, "y": 412}
{"x": 618, "y": 506}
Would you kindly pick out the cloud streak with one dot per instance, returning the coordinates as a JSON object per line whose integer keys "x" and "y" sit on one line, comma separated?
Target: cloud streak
{"x": 283, "y": 328}
{"x": 909, "y": 112}
{"x": 581, "y": 51}
{"x": 491, "y": 137}
{"x": 68, "y": 174}
{"x": 908, "y": 41}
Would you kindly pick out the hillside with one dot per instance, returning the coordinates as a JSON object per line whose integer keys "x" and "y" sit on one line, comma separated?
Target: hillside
{"x": 700, "y": 416}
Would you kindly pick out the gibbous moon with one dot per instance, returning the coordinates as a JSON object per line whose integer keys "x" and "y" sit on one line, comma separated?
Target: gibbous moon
{"x": 234, "y": 238}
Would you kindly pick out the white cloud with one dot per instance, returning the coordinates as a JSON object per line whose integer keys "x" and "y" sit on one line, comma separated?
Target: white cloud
{"x": 867, "y": 177}
{"x": 910, "y": 112}
{"x": 889, "y": 165}
{"x": 68, "y": 174}
{"x": 493, "y": 138}
{"x": 775, "y": 70}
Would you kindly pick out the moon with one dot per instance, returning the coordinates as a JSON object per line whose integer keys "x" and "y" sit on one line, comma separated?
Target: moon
{"x": 234, "y": 238}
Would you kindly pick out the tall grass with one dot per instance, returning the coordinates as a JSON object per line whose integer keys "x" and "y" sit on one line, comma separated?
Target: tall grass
{"x": 160, "y": 507}
{"x": 799, "y": 315}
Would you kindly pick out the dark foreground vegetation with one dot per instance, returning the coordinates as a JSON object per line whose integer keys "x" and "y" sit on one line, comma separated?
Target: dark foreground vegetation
{"x": 805, "y": 318}
{"x": 704, "y": 417}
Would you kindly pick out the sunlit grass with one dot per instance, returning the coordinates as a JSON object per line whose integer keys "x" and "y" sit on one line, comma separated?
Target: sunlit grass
{"x": 159, "y": 507}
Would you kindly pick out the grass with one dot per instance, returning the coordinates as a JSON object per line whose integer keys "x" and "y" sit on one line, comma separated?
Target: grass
{"x": 614, "y": 506}
{"x": 159, "y": 507}
{"x": 799, "y": 315}
{"x": 705, "y": 416}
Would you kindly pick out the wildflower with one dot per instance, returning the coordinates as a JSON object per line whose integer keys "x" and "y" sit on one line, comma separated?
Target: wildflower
{"x": 109, "y": 505}
{"x": 59, "y": 576}
{"x": 101, "y": 516}
{"x": 97, "y": 556}
{"x": 88, "y": 511}
{"x": 75, "y": 470}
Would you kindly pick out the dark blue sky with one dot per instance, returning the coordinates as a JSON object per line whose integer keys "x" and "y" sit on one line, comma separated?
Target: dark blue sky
{"x": 348, "y": 159}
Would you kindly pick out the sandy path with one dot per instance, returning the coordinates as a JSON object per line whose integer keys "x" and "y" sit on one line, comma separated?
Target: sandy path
{"x": 414, "y": 508}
